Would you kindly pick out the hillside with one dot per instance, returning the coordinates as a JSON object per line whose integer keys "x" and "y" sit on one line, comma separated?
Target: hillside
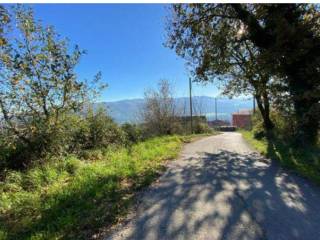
{"x": 129, "y": 110}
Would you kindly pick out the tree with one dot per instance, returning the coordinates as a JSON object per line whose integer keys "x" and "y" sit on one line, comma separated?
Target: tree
{"x": 159, "y": 113}
{"x": 245, "y": 76}
{"x": 219, "y": 52}
{"x": 285, "y": 38}
{"x": 38, "y": 83}
{"x": 289, "y": 38}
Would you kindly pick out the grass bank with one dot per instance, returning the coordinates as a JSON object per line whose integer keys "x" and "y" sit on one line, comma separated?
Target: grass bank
{"x": 305, "y": 162}
{"x": 72, "y": 198}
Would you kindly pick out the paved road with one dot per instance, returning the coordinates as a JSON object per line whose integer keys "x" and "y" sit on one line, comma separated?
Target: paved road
{"x": 220, "y": 189}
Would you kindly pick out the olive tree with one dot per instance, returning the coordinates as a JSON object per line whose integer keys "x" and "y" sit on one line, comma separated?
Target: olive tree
{"x": 38, "y": 83}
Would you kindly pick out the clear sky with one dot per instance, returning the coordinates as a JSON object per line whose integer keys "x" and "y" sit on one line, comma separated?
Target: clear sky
{"x": 125, "y": 43}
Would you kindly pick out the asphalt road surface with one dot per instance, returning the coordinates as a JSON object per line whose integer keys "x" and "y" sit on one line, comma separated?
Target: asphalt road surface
{"x": 220, "y": 189}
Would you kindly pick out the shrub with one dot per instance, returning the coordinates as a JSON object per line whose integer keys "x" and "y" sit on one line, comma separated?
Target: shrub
{"x": 92, "y": 154}
{"x": 201, "y": 127}
{"x": 284, "y": 125}
{"x": 103, "y": 131}
{"x": 95, "y": 130}
{"x": 72, "y": 134}
{"x": 133, "y": 132}
{"x": 257, "y": 126}
{"x": 72, "y": 165}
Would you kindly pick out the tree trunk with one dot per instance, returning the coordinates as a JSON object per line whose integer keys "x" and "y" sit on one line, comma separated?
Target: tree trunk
{"x": 264, "y": 108}
{"x": 268, "y": 123}
{"x": 300, "y": 70}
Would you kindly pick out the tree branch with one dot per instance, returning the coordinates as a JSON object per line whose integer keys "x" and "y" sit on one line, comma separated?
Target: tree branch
{"x": 257, "y": 34}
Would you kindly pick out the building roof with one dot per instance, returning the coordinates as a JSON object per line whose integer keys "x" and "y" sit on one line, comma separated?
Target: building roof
{"x": 243, "y": 112}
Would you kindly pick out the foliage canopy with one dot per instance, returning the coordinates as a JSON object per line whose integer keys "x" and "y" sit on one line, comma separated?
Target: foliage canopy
{"x": 272, "y": 49}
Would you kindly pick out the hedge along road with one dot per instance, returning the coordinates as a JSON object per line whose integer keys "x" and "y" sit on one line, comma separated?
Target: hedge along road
{"x": 220, "y": 189}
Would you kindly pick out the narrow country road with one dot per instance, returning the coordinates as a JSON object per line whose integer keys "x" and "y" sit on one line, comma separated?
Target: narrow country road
{"x": 220, "y": 189}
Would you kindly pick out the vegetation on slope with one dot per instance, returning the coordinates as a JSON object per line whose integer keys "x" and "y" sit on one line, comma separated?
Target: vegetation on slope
{"x": 67, "y": 170}
{"x": 305, "y": 162}
{"x": 72, "y": 198}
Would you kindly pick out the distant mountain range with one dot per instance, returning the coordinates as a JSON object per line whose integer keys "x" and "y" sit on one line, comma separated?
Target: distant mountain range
{"x": 130, "y": 110}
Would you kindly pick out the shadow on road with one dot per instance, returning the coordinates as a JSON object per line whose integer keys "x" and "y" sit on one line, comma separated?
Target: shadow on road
{"x": 229, "y": 196}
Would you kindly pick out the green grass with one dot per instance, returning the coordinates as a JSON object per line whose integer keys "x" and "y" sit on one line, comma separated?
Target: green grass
{"x": 75, "y": 199}
{"x": 305, "y": 162}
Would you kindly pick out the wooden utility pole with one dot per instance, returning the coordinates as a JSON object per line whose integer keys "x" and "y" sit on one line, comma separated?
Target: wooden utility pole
{"x": 190, "y": 96}
{"x": 215, "y": 107}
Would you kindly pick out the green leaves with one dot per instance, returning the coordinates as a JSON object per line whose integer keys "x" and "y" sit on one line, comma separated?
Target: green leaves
{"x": 268, "y": 50}
{"x": 38, "y": 81}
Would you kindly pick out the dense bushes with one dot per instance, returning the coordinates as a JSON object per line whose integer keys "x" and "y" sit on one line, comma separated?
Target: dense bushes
{"x": 133, "y": 132}
{"x": 73, "y": 134}
{"x": 98, "y": 130}
{"x": 201, "y": 127}
{"x": 284, "y": 126}
{"x": 83, "y": 135}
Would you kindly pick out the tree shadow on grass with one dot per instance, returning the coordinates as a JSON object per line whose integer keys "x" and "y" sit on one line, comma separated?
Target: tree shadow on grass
{"x": 228, "y": 196}
{"x": 304, "y": 161}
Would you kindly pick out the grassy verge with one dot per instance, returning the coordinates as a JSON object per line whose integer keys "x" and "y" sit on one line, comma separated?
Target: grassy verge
{"x": 73, "y": 198}
{"x": 305, "y": 162}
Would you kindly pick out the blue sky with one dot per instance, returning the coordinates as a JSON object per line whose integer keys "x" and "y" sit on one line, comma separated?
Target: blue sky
{"x": 125, "y": 43}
